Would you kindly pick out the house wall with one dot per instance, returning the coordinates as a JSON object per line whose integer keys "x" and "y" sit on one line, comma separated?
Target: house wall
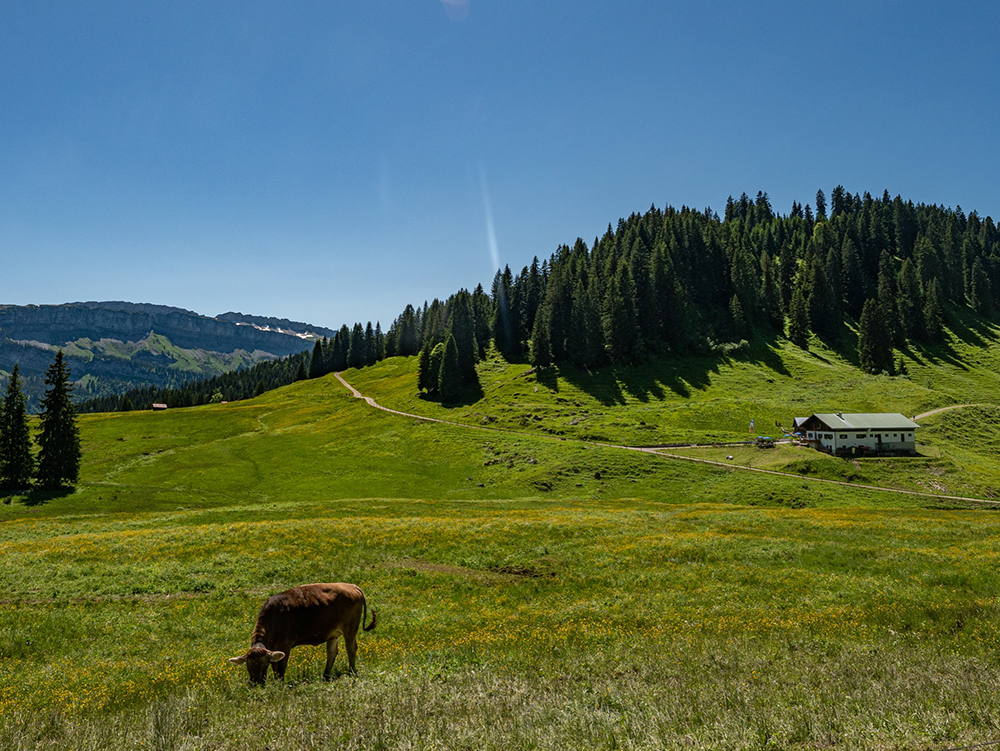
{"x": 901, "y": 441}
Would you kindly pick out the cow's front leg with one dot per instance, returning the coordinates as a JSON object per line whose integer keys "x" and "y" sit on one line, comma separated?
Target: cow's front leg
{"x": 279, "y": 666}
{"x": 331, "y": 655}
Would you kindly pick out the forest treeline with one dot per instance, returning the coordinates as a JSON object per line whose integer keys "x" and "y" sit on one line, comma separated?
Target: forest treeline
{"x": 686, "y": 281}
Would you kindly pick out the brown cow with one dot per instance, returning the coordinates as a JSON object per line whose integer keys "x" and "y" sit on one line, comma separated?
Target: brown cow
{"x": 310, "y": 614}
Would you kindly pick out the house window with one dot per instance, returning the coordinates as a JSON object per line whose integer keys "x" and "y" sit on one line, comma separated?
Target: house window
{"x": 843, "y": 436}
{"x": 828, "y": 435}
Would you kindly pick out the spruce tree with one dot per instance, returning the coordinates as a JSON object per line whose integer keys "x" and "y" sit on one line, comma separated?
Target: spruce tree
{"x": 620, "y": 320}
{"x": 16, "y": 462}
{"x": 933, "y": 312}
{"x": 874, "y": 344}
{"x": 427, "y": 378}
{"x": 908, "y": 303}
{"x": 316, "y": 366}
{"x": 371, "y": 356}
{"x": 798, "y": 318}
{"x": 59, "y": 437}
{"x": 462, "y": 326}
{"x": 300, "y": 374}
{"x": 342, "y": 343}
{"x": 980, "y": 293}
{"x": 820, "y": 204}
{"x": 357, "y": 350}
{"x": 540, "y": 347}
{"x": 450, "y": 379}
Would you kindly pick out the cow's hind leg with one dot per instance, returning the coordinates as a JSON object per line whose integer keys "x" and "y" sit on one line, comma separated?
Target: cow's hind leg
{"x": 331, "y": 655}
{"x": 351, "y": 642}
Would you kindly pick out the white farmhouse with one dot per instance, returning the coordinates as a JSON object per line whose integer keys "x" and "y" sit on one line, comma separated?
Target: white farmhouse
{"x": 860, "y": 434}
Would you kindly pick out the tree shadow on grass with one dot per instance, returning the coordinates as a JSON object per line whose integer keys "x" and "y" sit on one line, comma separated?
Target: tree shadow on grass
{"x": 970, "y": 327}
{"x": 610, "y": 384}
{"x": 471, "y": 393}
{"x": 652, "y": 380}
{"x": 37, "y": 496}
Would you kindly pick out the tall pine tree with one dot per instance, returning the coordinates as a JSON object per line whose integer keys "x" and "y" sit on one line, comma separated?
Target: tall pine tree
{"x": 874, "y": 343}
{"x": 59, "y": 437}
{"x": 16, "y": 462}
{"x": 450, "y": 379}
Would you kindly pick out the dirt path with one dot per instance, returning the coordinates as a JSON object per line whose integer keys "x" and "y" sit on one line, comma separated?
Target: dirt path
{"x": 680, "y": 457}
{"x": 945, "y": 409}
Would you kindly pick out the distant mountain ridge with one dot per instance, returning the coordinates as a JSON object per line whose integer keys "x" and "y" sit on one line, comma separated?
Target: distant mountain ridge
{"x": 113, "y": 346}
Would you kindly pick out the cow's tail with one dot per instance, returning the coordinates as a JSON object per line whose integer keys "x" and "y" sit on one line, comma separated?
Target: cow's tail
{"x": 364, "y": 615}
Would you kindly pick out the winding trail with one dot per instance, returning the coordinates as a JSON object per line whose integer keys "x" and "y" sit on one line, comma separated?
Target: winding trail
{"x": 680, "y": 457}
{"x": 945, "y": 409}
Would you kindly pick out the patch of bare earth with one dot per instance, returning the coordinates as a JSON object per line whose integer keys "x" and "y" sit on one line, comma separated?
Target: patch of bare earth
{"x": 494, "y": 573}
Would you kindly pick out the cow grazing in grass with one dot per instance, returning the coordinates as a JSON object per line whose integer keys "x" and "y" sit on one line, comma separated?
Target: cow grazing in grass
{"x": 310, "y": 614}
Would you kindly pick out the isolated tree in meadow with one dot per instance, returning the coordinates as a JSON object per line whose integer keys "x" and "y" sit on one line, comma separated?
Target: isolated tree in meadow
{"x": 59, "y": 437}
{"x": 17, "y": 464}
{"x": 450, "y": 379}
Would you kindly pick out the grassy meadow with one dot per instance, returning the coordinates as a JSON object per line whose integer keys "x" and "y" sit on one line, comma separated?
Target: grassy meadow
{"x": 534, "y": 589}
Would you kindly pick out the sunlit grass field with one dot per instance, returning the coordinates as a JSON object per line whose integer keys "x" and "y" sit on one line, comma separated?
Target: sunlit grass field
{"x": 533, "y": 591}
{"x": 621, "y": 622}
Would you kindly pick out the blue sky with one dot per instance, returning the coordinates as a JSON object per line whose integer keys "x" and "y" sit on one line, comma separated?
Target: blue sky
{"x": 332, "y": 161}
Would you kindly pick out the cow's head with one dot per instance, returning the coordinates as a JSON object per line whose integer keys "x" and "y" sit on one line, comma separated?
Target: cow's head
{"x": 257, "y": 659}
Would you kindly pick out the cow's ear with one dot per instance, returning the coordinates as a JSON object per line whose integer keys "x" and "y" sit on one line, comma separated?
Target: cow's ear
{"x": 238, "y": 660}
{"x": 276, "y": 656}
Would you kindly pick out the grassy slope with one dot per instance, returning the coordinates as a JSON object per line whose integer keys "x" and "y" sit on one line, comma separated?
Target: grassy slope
{"x": 706, "y": 401}
{"x": 663, "y": 603}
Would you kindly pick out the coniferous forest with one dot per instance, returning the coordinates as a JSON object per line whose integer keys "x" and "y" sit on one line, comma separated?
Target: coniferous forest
{"x": 867, "y": 273}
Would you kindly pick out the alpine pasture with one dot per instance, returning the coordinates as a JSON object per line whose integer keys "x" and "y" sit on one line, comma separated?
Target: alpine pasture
{"x": 537, "y": 584}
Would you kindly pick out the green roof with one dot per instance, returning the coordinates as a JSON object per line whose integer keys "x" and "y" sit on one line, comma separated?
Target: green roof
{"x": 866, "y": 421}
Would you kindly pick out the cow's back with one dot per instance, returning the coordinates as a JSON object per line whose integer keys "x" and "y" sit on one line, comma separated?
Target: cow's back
{"x": 309, "y": 614}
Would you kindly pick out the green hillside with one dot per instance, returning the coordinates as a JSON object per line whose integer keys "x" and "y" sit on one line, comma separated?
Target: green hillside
{"x": 535, "y": 589}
